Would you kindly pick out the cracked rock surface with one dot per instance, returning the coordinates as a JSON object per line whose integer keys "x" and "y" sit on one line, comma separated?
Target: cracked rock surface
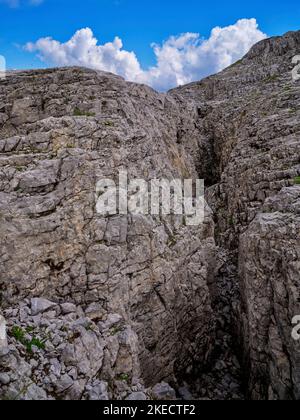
{"x": 148, "y": 307}
{"x": 251, "y": 125}
{"x": 63, "y": 130}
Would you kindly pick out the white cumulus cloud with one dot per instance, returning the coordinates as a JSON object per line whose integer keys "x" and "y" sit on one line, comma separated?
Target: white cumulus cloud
{"x": 179, "y": 60}
{"x": 83, "y": 50}
{"x": 17, "y": 3}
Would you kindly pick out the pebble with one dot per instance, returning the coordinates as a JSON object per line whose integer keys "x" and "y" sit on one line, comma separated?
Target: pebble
{"x": 4, "y": 378}
{"x": 68, "y": 308}
{"x": 40, "y": 305}
{"x": 136, "y": 396}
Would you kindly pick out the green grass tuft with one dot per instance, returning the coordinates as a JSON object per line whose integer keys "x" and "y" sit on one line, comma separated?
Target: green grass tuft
{"x": 20, "y": 335}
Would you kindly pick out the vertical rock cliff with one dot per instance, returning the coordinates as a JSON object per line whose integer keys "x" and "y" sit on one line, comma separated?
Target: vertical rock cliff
{"x": 249, "y": 125}
{"x": 110, "y": 307}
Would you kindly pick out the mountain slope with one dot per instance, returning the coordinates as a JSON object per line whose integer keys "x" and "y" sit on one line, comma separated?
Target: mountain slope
{"x": 156, "y": 299}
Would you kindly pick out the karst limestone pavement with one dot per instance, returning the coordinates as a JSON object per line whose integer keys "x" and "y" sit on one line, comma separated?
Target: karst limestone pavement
{"x": 133, "y": 307}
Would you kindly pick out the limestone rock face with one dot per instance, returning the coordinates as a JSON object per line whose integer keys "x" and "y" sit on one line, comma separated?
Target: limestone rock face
{"x": 157, "y": 300}
{"x": 63, "y": 131}
{"x": 3, "y": 335}
{"x": 269, "y": 281}
{"x": 249, "y": 123}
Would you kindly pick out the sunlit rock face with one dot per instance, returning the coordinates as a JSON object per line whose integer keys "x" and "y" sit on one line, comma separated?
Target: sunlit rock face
{"x": 110, "y": 307}
{"x": 250, "y": 129}
{"x": 62, "y": 131}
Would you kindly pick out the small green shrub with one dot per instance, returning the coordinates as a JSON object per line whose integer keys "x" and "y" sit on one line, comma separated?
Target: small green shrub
{"x": 231, "y": 221}
{"x": 123, "y": 377}
{"x": 297, "y": 180}
{"x": 29, "y": 329}
{"x": 115, "y": 330}
{"x": 19, "y": 168}
{"x": 271, "y": 78}
{"x": 79, "y": 113}
{"x": 172, "y": 241}
{"x": 109, "y": 123}
{"x": 292, "y": 110}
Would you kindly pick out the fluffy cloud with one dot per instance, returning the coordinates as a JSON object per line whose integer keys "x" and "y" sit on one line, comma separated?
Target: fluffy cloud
{"x": 83, "y": 50}
{"x": 16, "y": 3}
{"x": 179, "y": 60}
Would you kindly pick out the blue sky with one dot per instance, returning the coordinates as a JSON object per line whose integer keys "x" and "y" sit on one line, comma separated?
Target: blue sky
{"x": 137, "y": 23}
